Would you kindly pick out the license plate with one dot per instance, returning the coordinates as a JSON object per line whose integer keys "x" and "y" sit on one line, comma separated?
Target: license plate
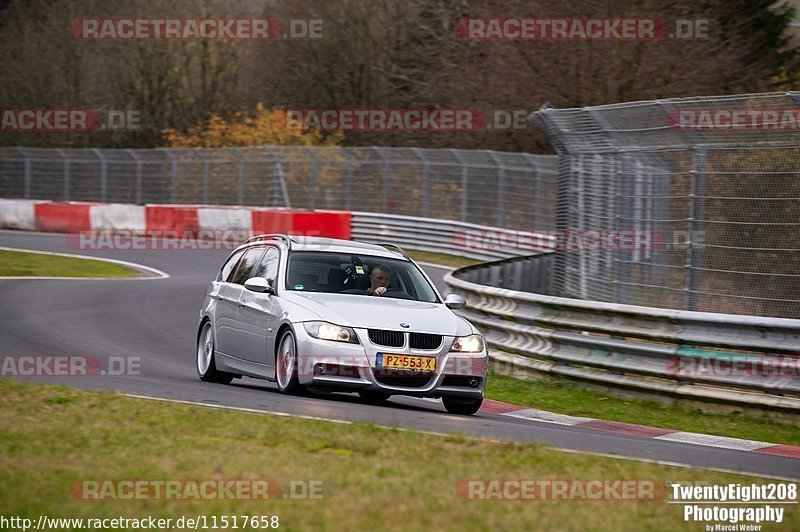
{"x": 411, "y": 362}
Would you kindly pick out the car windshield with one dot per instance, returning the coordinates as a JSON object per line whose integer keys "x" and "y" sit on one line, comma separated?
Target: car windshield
{"x": 358, "y": 275}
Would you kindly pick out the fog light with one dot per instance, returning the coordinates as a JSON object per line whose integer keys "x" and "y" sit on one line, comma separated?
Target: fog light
{"x": 473, "y": 381}
{"x": 319, "y": 369}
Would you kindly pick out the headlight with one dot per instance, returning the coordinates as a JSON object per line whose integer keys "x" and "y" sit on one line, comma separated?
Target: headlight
{"x": 468, "y": 344}
{"x": 328, "y": 331}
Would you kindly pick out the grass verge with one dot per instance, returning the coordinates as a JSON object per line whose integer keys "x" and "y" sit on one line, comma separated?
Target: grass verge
{"x": 565, "y": 397}
{"x": 23, "y": 264}
{"x": 454, "y": 261}
{"x": 52, "y": 437}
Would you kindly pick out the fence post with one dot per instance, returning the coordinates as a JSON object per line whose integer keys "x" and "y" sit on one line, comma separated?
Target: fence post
{"x": 501, "y": 188}
{"x": 312, "y": 179}
{"x": 279, "y": 193}
{"x": 464, "y": 184}
{"x": 173, "y": 174}
{"x": 697, "y": 142}
{"x": 537, "y": 192}
{"x": 696, "y": 218}
{"x": 103, "y": 174}
{"x": 26, "y": 175}
{"x": 138, "y": 161}
{"x": 386, "y": 162}
{"x": 349, "y": 178}
{"x": 240, "y": 195}
{"x": 206, "y": 172}
{"x": 66, "y": 173}
{"x": 425, "y": 182}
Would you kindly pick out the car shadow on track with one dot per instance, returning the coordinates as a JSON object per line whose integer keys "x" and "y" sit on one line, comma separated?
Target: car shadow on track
{"x": 342, "y": 397}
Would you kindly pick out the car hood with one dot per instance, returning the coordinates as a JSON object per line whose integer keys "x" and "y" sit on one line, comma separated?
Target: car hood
{"x": 382, "y": 313}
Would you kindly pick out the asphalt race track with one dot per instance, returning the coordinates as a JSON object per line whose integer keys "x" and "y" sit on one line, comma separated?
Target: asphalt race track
{"x": 156, "y": 320}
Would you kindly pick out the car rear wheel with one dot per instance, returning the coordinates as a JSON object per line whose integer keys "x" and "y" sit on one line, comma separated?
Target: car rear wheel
{"x": 374, "y": 397}
{"x": 206, "y": 365}
{"x": 462, "y": 407}
{"x": 286, "y": 365}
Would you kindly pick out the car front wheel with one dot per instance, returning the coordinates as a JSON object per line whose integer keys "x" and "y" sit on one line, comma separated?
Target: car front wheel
{"x": 206, "y": 366}
{"x": 462, "y": 407}
{"x": 286, "y": 365}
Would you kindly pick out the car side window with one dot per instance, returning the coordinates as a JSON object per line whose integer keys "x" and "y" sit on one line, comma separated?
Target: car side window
{"x": 229, "y": 267}
{"x": 268, "y": 267}
{"x": 246, "y": 266}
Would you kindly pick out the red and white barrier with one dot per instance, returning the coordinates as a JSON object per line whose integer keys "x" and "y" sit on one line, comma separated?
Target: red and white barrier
{"x": 77, "y": 217}
{"x": 117, "y": 217}
{"x": 17, "y": 214}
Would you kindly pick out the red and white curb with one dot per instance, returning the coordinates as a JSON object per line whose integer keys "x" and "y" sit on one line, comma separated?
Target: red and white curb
{"x": 641, "y": 431}
{"x": 79, "y": 217}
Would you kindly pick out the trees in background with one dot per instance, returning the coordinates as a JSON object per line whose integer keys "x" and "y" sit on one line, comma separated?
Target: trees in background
{"x": 374, "y": 54}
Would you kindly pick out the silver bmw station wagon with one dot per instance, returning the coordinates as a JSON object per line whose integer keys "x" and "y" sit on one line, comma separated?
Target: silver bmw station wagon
{"x": 328, "y": 315}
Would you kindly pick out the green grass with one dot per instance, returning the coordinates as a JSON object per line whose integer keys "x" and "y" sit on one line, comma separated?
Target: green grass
{"x": 443, "y": 259}
{"x": 565, "y": 397}
{"x": 372, "y": 478}
{"x": 22, "y": 264}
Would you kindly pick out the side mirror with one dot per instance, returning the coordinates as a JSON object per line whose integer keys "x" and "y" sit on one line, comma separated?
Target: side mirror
{"x": 260, "y": 285}
{"x": 455, "y": 302}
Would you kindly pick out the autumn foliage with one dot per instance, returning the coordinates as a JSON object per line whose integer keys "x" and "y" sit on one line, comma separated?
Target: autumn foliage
{"x": 265, "y": 126}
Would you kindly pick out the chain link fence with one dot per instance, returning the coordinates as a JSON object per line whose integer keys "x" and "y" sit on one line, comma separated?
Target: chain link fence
{"x": 513, "y": 190}
{"x": 715, "y": 181}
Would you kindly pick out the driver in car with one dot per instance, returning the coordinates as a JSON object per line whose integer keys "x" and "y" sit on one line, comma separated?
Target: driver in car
{"x": 379, "y": 279}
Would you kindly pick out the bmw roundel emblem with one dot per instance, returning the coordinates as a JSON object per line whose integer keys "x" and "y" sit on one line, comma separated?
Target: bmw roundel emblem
{"x": 405, "y": 325}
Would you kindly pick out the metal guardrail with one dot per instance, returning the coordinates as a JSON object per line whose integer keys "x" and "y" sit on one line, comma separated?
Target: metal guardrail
{"x": 667, "y": 352}
{"x": 442, "y": 236}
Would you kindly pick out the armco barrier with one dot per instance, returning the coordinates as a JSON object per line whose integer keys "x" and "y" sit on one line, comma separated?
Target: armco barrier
{"x": 724, "y": 358}
{"x": 445, "y": 236}
{"x": 76, "y": 217}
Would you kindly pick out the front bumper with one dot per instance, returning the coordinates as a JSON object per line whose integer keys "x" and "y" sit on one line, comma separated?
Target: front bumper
{"x": 328, "y": 366}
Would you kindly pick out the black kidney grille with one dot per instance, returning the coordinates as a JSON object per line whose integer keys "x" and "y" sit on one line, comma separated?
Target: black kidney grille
{"x": 386, "y": 338}
{"x": 425, "y": 341}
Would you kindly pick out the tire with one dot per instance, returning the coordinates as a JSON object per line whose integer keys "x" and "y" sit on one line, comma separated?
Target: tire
{"x": 374, "y": 398}
{"x": 206, "y": 364}
{"x": 462, "y": 407}
{"x": 286, "y": 365}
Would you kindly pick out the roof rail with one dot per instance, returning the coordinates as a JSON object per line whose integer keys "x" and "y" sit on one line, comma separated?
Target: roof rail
{"x": 272, "y": 236}
{"x": 398, "y": 248}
